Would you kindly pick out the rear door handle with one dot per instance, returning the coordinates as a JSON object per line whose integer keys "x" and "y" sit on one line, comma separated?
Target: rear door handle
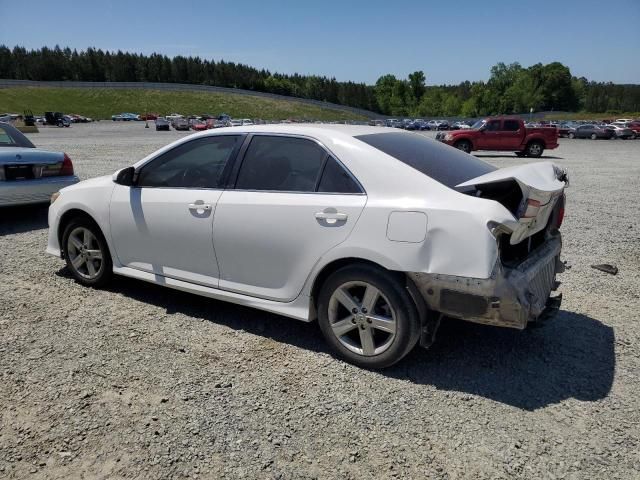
{"x": 199, "y": 206}
{"x": 332, "y": 216}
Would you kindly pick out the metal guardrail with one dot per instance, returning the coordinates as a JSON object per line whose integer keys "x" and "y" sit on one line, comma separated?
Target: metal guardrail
{"x": 7, "y": 83}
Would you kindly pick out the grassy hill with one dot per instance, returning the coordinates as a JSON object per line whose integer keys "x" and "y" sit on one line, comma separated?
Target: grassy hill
{"x": 101, "y": 103}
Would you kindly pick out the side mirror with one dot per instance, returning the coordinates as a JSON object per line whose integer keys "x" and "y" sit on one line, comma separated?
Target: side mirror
{"x": 125, "y": 177}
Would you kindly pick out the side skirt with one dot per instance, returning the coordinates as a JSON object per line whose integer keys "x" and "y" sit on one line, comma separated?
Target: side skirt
{"x": 298, "y": 309}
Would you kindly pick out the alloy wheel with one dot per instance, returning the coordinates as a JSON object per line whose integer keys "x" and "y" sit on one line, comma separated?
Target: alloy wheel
{"x": 362, "y": 318}
{"x": 84, "y": 253}
{"x": 535, "y": 149}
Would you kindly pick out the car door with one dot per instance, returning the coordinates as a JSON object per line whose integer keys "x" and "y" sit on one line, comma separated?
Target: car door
{"x": 291, "y": 203}
{"x": 163, "y": 223}
{"x": 511, "y": 135}
{"x": 489, "y": 136}
{"x": 584, "y": 131}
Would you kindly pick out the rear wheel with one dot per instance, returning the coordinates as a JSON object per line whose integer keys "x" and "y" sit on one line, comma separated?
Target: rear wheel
{"x": 534, "y": 149}
{"x": 572, "y": 135}
{"x": 594, "y": 136}
{"x": 368, "y": 316}
{"x": 464, "y": 145}
{"x": 86, "y": 253}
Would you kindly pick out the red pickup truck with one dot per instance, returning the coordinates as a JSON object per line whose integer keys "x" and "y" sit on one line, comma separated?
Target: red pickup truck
{"x": 504, "y": 134}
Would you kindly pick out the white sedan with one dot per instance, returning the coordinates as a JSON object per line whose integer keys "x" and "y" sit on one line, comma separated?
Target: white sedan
{"x": 376, "y": 233}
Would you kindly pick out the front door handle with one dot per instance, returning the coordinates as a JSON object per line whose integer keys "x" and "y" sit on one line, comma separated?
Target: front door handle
{"x": 200, "y": 206}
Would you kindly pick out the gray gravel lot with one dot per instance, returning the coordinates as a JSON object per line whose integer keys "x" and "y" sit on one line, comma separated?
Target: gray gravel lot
{"x": 137, "y": 381}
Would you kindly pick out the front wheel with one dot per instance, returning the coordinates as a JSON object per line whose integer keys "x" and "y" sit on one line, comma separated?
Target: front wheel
{"x": 572, "y": 135}
{"x": 86, "y": 253}
{"x": 594, "y": 136}
{"x": 368, "y": 316}
{"x": 535, "y": 149}
{"x": 463, "y": 145}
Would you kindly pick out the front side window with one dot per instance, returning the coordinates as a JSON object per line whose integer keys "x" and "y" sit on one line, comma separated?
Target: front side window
{"x": 493, "y": 125}
{"x": 199, "y": 163}
{"x": 278, "y": 163}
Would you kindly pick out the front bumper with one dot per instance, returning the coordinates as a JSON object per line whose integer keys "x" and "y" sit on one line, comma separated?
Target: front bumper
{"x": 510, "y": 297}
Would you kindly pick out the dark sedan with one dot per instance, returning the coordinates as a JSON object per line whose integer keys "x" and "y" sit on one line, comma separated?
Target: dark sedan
{"x": 162, "y": 124}
{"x": 591, "y": 131}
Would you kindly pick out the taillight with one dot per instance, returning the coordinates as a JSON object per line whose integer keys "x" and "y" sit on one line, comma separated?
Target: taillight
{"x": 67, "y": 167}
{"x": 560, "y": 217}
{"x": 529, "y": 209}
{"x": 561, "y": 204}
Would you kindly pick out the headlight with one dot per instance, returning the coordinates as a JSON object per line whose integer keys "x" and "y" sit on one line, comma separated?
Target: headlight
{"x": 54, "y": 197}
{"x": 448, "y": 137}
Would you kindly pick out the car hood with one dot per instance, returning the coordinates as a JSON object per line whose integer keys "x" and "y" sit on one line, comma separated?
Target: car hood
{"x": 542, "y": 185}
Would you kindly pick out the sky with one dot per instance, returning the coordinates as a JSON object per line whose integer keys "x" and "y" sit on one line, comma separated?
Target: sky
{"x": 359, "y": 40}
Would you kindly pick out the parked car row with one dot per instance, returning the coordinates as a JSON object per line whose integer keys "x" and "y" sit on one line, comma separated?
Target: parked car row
{"x": 622, "y": 128}
{"x": 200, "y": 123}
{"x": 421, "y": 124}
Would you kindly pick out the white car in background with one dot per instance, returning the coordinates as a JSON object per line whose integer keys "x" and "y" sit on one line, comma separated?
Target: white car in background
{"x": 173, "y": 116}
{"x": 375, "y": 232}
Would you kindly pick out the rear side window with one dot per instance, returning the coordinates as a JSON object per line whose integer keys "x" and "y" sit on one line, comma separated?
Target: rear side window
{"x": 511, "y": 125}
{"x": 440, "y": 162}
{"x": 335, "y": 179}
{"x": 286, "y": 164}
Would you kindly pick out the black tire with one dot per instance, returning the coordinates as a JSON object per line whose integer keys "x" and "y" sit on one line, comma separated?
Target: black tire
{"x": 464, "y": 145}
{"x": 534, "y": 149}
{"x": 105, "y": 270}
{"x": 572, "y": 135}
{"x": 393, "y": 290}
{"x": 594, "y": 136}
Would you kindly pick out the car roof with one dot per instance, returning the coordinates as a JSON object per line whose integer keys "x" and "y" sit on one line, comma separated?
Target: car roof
{"x": 363, "y": 160}
{"x": 312, "y": 130}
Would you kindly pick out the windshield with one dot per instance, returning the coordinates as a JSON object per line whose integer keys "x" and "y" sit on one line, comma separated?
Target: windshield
{"x": 440, "y": 162}
{"x": 478, "y": 124}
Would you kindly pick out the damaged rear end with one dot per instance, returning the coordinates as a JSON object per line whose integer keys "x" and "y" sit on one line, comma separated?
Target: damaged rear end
{"x": 519, "y": 289}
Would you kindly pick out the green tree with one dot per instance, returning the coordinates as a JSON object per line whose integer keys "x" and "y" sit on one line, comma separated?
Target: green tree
{"x": 417, "y": 83}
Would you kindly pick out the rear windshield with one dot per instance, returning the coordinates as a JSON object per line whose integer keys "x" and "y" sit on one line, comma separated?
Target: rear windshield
{"x": 444, "y": 164}
{"x": 12, "y": 137}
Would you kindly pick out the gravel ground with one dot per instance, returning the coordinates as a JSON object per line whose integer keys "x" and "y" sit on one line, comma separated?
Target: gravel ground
{"x": 137, "y": 381}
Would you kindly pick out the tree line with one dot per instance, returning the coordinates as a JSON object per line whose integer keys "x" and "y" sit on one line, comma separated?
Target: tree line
{"x": 510, "y": 88}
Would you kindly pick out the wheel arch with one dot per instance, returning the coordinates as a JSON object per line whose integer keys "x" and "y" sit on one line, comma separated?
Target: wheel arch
{"x": 70, "y": 215}
{"x": 327, "y": 270}
{"x": 465, "y": 138}
{"x": 536, "y": 139}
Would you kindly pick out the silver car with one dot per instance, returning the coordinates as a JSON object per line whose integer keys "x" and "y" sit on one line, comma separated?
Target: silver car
{"x": 29, "y": 174}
